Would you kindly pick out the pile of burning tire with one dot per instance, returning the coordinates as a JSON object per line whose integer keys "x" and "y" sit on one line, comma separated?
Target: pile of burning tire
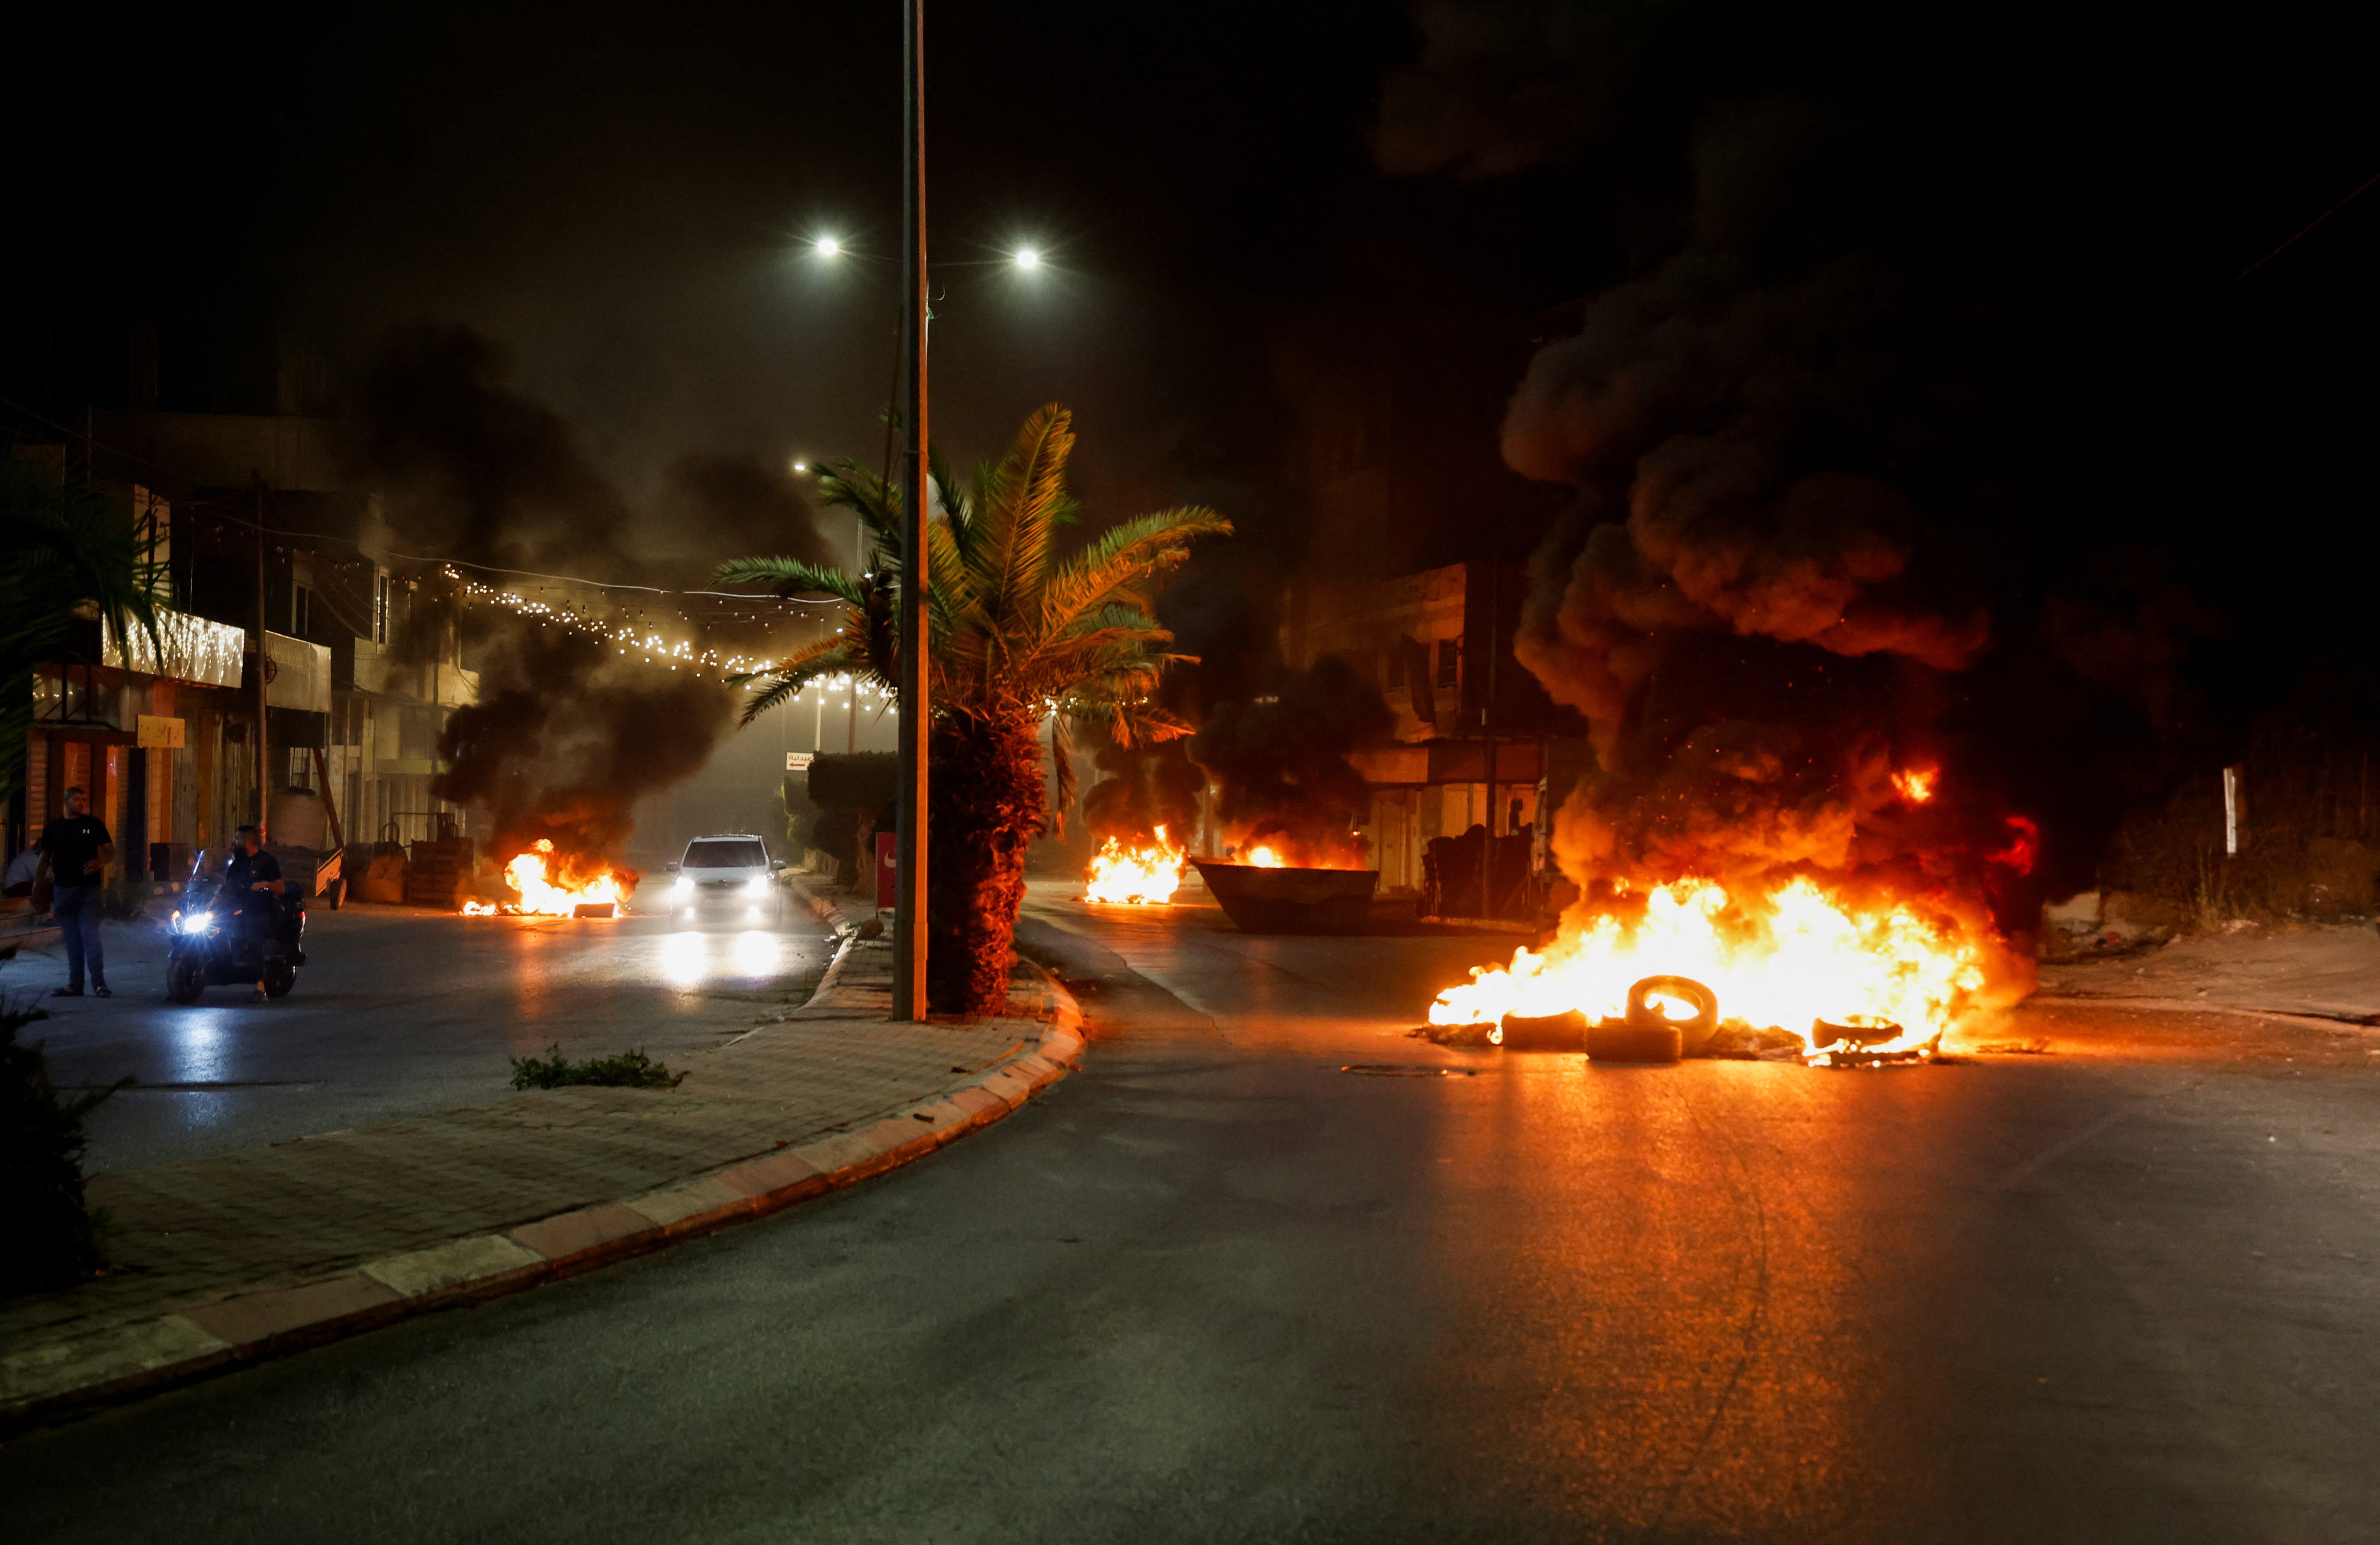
{"x": 1648, "y": 1032}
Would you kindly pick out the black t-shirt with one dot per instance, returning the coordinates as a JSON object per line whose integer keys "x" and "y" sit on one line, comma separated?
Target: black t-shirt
{"x": 246, "y": 870}
{"x": 72, "y": 841}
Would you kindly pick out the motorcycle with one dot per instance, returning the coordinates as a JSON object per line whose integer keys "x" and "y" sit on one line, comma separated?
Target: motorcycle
{"x": 212, "y": 939}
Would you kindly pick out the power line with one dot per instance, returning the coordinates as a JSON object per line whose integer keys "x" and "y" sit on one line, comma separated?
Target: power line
{"x": 2302, "y": 235}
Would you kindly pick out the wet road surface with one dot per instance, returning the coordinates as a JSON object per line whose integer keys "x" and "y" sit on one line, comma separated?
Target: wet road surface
{"x": 1216, "y": 1287}
{"x": 399, "y": 1011}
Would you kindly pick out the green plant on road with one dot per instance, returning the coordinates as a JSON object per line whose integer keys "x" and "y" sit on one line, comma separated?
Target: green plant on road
{"x": 626, "y": 1070}
{"x": 51, "y": 1238}
{"x": 1019, "y": 635}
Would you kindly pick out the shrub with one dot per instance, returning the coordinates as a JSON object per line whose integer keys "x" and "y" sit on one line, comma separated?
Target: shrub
{"x": 51, "y": 1242}
{"x": 631, "y": 1070}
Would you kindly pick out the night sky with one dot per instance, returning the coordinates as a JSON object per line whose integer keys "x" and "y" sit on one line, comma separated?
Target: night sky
{"x": 1290, "y": 242}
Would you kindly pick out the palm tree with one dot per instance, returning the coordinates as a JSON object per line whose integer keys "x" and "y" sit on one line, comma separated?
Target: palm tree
{"x": 63, "y": 549}
{"x": 1019, "y": 635}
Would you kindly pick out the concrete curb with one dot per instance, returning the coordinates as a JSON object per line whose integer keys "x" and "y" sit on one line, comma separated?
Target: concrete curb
{"x": 44, "y": 1383}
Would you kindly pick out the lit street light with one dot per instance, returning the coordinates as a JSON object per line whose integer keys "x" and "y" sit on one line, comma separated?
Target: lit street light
{"x": 1027, "y": 258}
{"x": 826, "y": 246}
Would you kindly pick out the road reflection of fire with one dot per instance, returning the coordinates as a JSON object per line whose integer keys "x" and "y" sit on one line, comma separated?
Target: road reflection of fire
{"x": 1136, "y": 873}
{"x": 539, "y": 891}
{"x": 1800, "y": 959}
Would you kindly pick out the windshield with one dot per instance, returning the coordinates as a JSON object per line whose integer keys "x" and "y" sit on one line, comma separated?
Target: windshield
{"x": 714, "y": 853}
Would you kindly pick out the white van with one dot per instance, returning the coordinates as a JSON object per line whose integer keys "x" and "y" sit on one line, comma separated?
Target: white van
{"x": 728, "y": 875}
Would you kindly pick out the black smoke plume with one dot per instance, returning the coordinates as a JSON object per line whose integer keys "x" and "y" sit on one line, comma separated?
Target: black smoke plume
{"x": 1280, "y": 765}
{"x": 471, "y": 468}
{"x": 1759, "y": 623}
{"x": 567, "y": 735}
{"x": 1146, "y": 787}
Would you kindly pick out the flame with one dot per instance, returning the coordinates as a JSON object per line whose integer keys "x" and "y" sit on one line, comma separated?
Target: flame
{"x": 1797, "y": 958}
{"x": 1144, "y": 873}
{"x": 1916, "y": 783}
{"x": 1264, "y": 856}
{"x": 478, "y": 909}
{"x": 542, "y": 895}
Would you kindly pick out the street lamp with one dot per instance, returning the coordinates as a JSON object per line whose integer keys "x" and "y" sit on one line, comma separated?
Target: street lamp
{"x": 827, "y": 247}
{"x": 1027, "y": 258}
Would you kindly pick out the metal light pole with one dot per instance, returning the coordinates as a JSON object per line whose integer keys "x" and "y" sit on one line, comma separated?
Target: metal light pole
{"x": 263, "y": 664}
{"x": 909, "y": 921}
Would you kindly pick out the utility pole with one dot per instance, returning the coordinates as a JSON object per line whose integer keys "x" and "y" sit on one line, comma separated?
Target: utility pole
{"x": 909, "y": 1000}
{"x": 263, "y": 664}
{"x": 1488, "y": 727}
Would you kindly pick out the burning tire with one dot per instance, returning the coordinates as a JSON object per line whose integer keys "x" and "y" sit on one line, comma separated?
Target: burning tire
{"x": 1622, "y": 1041}
{"x": 1554, "y": 1032}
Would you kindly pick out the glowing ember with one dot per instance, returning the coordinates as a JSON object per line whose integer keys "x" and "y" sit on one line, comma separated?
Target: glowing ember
{"x": 1798, "y": 958}
{"x": 1263, "y": 856}
{"x": 1135, "y": 874}
{"x": 543, "y": 893}
{"x": 1916, "y": 783}
{"x": 478, "y": 909}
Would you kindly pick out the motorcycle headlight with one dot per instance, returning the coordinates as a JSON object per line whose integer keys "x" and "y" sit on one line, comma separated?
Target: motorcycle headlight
{"x": 194, "y": 922}
{"x": 755, "y": 887}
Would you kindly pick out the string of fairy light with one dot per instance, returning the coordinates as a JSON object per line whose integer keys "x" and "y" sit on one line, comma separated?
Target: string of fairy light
{"x": 643, "y": 644}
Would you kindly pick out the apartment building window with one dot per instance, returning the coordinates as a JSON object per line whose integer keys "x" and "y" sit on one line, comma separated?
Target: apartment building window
{"x": 301, "y": 610}
{"x": 1450, "y": 661}
{"x": 379, "y": 609}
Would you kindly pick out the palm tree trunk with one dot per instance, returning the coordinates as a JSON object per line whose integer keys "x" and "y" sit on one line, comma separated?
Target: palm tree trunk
{"x": 989, "y": 801}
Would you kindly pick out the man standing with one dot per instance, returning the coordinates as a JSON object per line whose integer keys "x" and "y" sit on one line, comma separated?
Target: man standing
{"x": 252, "y": 877}
{"x": 79, "y": 850}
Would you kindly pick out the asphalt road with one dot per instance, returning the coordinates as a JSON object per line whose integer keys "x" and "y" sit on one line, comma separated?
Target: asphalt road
{"x": 1217, "y": 1287}
{"x": 398, "y": 1011}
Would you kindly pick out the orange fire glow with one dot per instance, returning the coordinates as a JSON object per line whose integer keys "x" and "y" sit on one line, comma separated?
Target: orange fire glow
{"x": 539, "y": 892}
{"x": 1270, "y": 848}
{"x": 1792, "y": 959}
{"x": 1916, "y": 783}
{"x": 1135, "y": 874}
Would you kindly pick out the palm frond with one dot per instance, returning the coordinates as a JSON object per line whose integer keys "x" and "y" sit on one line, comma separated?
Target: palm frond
{"x": 1025, "y": 492}
{"x": 1122, "y": 558}
{"x": 791, "y": 577}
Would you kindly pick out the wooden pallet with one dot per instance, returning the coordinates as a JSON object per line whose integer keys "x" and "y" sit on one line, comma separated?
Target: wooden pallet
{"x": 439, "y": 874}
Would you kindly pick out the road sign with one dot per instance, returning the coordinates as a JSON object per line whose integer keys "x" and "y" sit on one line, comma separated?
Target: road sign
{"x": 799, "y": 761}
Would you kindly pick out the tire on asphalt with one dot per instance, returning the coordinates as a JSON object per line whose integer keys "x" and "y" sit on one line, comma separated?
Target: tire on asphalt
{"x": 185, "y": 980}
{"x": 279, "y": 978}
{"x": 1620, "y": 1041}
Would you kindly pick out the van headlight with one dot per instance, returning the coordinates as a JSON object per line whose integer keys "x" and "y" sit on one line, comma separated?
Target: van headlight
{"x": 755, "y": 887}
{"x": 682, "y": 886}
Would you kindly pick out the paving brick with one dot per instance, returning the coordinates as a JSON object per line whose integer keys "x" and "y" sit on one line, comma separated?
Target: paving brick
{"x": 975, "y": 1102}
{"x": 256, "y": 1317}
{"x": 119, "y": 1352}
{"x": 582, "y": 1229}
{"x": 465, "y": 1260}
{"x": 761, "y": 1177}
{"x": 689, "y": 1200}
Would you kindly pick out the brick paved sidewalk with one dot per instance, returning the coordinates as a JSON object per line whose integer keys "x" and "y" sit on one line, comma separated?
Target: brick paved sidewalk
{"x": 224, "y": 1258}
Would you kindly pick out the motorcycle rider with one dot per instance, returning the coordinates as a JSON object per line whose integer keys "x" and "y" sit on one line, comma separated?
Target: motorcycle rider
{"x": 250, "y": 872}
